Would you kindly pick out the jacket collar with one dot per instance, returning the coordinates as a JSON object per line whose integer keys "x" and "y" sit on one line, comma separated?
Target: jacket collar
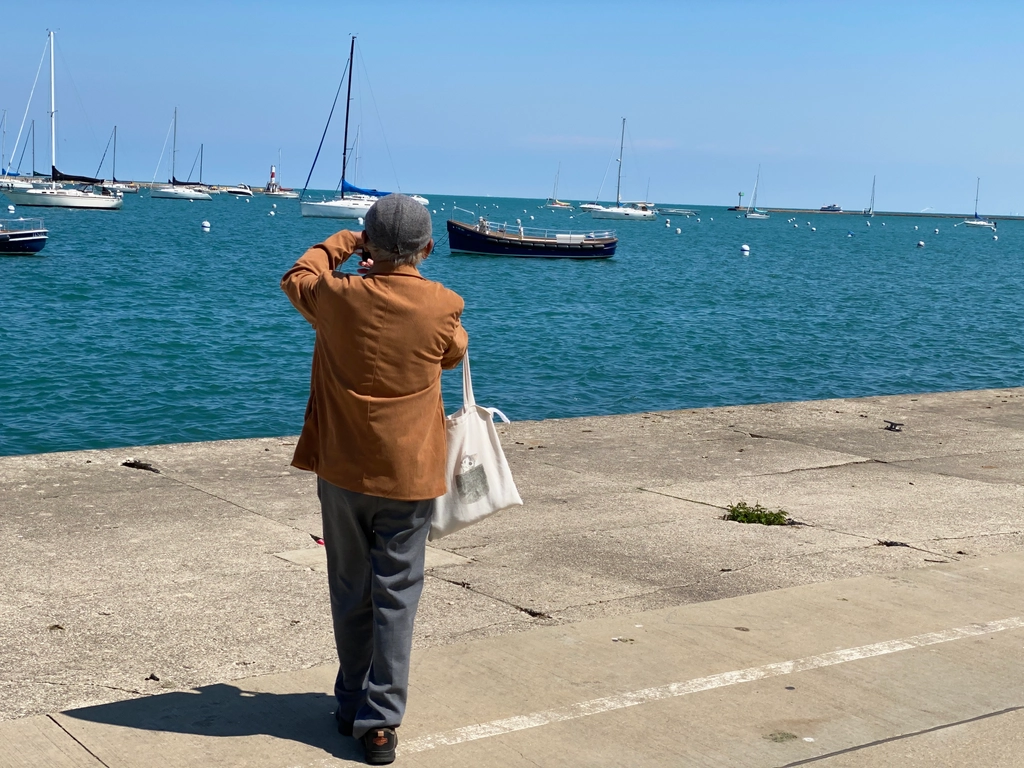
{"x": 390, "y": 268}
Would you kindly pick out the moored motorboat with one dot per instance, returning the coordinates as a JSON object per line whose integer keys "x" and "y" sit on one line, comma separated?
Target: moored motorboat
{"x": 179, "y": 192}
{"x": 22, "y": 236}
{"x": 491, "y": 239}
{"x": 678, "y": 212}
{"x": 239, "y": 190}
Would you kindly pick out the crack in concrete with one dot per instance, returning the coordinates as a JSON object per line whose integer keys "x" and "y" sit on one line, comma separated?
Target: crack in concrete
{"x": 91, "y": 685}
{"x": 533, "y": 612}
{"x": 77, "y": 741}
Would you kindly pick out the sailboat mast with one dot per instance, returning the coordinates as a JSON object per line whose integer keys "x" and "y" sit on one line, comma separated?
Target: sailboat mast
{"x": 348, "y": 103}
{"x": 618, "y": 180}
{"x": 200, "y": 164}
{"x": 554, "y": 192}
{"x": 174, "y": 146}
{"x": 53, "y": 115}
{"x": 113, "y": 163}
{"x": 977, "y": 191}
{"x": 33, "y": 147}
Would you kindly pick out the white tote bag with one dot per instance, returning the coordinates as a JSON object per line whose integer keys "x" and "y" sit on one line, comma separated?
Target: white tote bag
{"x": 479, "y": 480}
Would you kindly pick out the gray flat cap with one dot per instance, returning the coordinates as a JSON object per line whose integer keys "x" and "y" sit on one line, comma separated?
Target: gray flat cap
{"x": 398, "y": 224}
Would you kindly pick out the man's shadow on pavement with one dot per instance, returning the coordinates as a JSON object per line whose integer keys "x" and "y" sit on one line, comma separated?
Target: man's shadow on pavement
{"x": 224, "y": 710}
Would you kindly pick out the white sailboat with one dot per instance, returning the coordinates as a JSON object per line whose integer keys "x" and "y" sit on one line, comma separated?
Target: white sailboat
{"x": 553, "y": 202}
{"x": 53, "y": 195}
{"x": 978, "y": 221}
{"x": 176, "y": 190}
{"x": 752, "y": 210}
{"x": 353, "y": 202}
{"x": 870, "y": 210}
{"x": 640, "y": 211}
{"x": 124, "y": 187}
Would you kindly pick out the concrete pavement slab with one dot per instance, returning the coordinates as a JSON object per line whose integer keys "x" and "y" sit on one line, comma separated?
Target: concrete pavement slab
{"x": 876, "y": 501}
{"x": 39, "y": 741}
{"x": 760, "y": 680}
{"x": 992, "y": 740}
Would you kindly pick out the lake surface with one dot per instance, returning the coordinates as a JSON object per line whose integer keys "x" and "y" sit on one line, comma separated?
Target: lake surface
{"x": 135, "y": 327}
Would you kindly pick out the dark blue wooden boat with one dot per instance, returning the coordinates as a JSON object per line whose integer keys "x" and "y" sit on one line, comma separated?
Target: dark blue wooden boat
{"x": 514, "y": 240}
{"x": 22, "y": 235}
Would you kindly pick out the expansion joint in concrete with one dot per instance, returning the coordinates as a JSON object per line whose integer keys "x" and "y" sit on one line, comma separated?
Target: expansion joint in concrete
{"x": 77, "y": 741}
{"x": 234, "y": 504}
{"x": 902, "y": 736}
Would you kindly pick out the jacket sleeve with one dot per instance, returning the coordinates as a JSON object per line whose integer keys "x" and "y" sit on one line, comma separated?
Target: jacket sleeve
{"x": 456, "y": 348}
{"x": 300, "y": 283}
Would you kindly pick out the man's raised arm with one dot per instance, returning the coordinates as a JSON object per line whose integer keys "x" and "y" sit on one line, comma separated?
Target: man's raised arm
{"x": 299, "y": 283}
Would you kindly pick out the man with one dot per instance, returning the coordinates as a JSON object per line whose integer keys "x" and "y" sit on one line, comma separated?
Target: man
{"x": 374, "y": 433}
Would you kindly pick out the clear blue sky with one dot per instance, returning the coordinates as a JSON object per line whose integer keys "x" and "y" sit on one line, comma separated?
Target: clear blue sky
{"x": 488, "y": 98}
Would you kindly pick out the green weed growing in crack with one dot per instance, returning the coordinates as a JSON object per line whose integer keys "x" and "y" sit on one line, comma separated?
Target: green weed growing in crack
{"x": 741, "y": 512}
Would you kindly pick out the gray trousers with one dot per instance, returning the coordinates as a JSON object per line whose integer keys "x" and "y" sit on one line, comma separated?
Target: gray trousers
{"x": 375, "y": 552}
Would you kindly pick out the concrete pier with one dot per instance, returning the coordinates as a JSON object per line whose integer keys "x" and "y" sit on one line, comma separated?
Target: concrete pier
{"x": 180, "y": 617}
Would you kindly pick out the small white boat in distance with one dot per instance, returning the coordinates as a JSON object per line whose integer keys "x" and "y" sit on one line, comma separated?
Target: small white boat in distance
{"x": 13, "y": 182}
{"x": 179, "y": 192}
{"x": 641, "y": 211}
{"x": 979, "y": 221}
{"x": 591, "y": 207}
{"x": 241, "y": 190}
{"x": 273, "y": 189}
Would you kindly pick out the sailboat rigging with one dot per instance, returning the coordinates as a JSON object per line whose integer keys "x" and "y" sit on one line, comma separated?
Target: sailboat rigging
{"x": 352, "y": 202}
{"x": 870, "y": 210}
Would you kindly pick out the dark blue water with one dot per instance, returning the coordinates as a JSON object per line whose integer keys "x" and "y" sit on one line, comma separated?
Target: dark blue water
{"x": 135, "y": 327}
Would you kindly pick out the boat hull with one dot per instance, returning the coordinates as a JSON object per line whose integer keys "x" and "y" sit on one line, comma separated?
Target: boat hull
{"x": 282, "y": 195}
{"x": 178, "y": 193}
{"x": 622, "y": 214}
{"x": 63, "y": 198}
{"x": 464, "y": 238}
{"x": 336, "y": 209}
{"x": 979, "y": 223}
{"x": 21, "y": 241}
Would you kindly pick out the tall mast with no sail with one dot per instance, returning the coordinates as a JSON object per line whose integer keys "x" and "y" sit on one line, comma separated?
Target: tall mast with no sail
{"x": 977, "y": 191}
{"x": 618, "y": 180}
{"x": 53, "y": 116}
{"x": 348, "y": 103}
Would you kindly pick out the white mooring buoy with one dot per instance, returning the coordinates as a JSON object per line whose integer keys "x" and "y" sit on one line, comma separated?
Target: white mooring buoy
{"x": 814, "y": 229}
{"x": 915, "y": 227}
{"x": 360, "y": 220}
{"x": 744, "y": 248}
{"x": 679, "y": 231}
{"x": 920, "y": 243}
{"x": 205, "y": 226}
{"x": 272, "y": 213}
{"x": 995, "y": 237}
{"x": 10, "y": 209}
{"x": 936, "y": 231}
{"x": 273, "y": 205}
{"x": 868, "y": 223}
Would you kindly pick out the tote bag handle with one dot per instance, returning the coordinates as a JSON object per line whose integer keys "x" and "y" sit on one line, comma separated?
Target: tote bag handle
{"x": 468, "y": 400}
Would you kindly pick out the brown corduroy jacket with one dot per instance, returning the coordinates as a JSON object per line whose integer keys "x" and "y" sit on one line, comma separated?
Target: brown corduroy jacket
{"x": 375, "y": 421}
